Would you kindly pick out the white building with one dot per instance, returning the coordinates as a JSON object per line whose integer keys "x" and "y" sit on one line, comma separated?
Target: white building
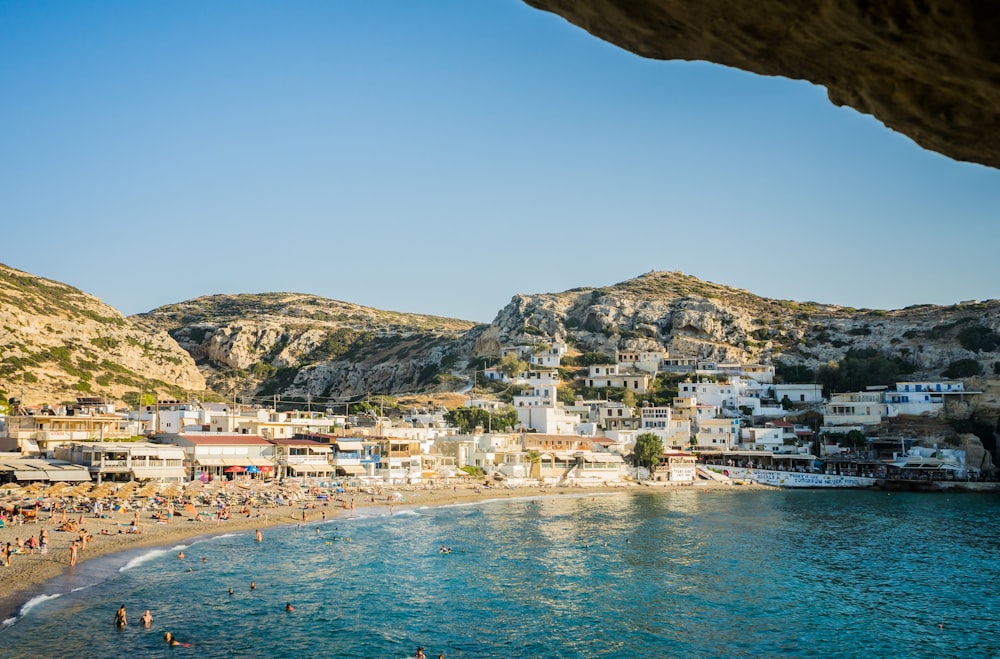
{"x": 762, "y": 439}
{"x": 859, "y": 408}
{"x": 717, "y": 434}
{"x": 550, "y": 357}
{"x": 798, "y": 393}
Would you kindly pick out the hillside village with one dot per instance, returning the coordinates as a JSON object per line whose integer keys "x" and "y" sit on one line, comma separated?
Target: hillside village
{"x": 517, "y": 425}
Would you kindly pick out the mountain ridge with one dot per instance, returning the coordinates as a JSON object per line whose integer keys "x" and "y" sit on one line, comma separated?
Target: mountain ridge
{"x": 300, "y": 346}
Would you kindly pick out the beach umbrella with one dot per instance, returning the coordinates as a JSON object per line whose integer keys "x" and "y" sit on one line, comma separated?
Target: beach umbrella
{"x": 147, "y": 490}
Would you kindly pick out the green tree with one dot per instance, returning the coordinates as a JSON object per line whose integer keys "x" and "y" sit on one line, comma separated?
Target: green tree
{"x": 467, "y": 419}
{"x": 511, "y": 366}
{"x": 963, "y": 368}
{"x": 647, "y": 451}
{"x": 591, "y": 358}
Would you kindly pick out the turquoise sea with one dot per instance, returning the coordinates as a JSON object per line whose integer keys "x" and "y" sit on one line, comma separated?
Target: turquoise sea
{"x": 666, "y": 574}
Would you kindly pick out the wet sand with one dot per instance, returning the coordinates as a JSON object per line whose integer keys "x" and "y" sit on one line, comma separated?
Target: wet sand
{"x": 28, "y": 573}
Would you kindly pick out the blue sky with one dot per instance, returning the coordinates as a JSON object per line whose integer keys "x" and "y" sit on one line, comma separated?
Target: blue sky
{"x": 440, "y": 157}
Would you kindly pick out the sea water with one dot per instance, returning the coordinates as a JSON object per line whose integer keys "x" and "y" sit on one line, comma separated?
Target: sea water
{"x": 667, "y": 574}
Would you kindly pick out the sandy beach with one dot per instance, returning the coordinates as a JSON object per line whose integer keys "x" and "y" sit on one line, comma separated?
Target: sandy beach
{"x": 28, "y": 572}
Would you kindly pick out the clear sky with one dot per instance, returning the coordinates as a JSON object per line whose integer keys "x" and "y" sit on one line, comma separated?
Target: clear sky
{"x": 439, "y": 157}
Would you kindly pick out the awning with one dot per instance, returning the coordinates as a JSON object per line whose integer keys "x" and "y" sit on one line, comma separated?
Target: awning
{"x": 31, "y": 475}
{"x": 159, "y": 473}
{"x": 349, "y": 446}
{"x": 76, "y": 475}
{"x": 210, "y": 462}
{"x": 314, "y": 468}
{"x": 260, "y": 462}
{"x": 352, "y": 470}
{"x": 236, "y": 462}
{"x": 235, "y": 469}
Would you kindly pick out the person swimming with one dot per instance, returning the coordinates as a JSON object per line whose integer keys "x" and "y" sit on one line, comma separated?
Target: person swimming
{"x": 170, "y": 640}
{"x": 146, "y": 619}
{"x": 289, "y": 607}
{"x": 120, "y": 619}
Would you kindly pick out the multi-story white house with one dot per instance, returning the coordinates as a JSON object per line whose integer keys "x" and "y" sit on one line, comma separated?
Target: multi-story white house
{"x": 690, "y": 409}
{"x": 41, "y": 434}
{"x": 127, "y": 461}
{"x": 484, "y": 450}
{"x": 717, "y": 433}
{"x": 927, "y": 397}
{"x": 763, "y": 373}
{"x": 305, "y": 458}
{"x": 858, "y": 408}
{"x": 612, "y": 415}
{"x": 660, "y": 422}
{"x": 600, "y": 376}
{"x": 220, "y": 455}
{"x": 762, "y": 439}
{"x": 678, "y": 364}
{"x": 642, "y": 360}
{"x": 719, "y": 394}
{"x": 550, "y": 357}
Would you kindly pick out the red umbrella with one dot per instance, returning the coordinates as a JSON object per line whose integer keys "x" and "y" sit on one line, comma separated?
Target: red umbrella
{"x": 234, "y": 470}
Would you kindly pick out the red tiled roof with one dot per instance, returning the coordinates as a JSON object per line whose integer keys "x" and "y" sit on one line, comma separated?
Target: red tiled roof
{"x": 297, "y": 442}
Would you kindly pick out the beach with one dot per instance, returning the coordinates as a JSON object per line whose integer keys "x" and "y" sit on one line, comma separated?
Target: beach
{"x": 108, "y": 533}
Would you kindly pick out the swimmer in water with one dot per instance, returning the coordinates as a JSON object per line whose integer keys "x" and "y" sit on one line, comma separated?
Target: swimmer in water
{"x": 181, "y": 556}
{"x": 289, "y": 607}
{"x": 146, "y": 619}
{"x": 253, "y": 586}
{"x": 120, "y": 619}
{"x": 169, "y": 639}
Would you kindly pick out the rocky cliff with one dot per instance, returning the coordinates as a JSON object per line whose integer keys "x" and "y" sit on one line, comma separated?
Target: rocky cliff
{"x": 930, "y": 69}
{"x": 694, "y": 318}
{"x": 58, "y": 343}
{"x": 304, "y": 347}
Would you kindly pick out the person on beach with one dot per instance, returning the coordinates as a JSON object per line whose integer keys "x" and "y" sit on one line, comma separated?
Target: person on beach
{"x": 120, "y": 619}
{"x": 43, "y": 541}
{"x": 146, "y": 619}
{"x": 72, "y": 553}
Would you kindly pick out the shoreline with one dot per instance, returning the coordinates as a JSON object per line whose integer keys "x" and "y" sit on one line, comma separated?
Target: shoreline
{"x": 27, "y": 577}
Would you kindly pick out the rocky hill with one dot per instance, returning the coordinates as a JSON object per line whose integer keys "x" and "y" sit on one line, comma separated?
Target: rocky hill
{"x": 303, "y": 347}
{"x": 695, "y": 318}
{"x": 58, "y": 343}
